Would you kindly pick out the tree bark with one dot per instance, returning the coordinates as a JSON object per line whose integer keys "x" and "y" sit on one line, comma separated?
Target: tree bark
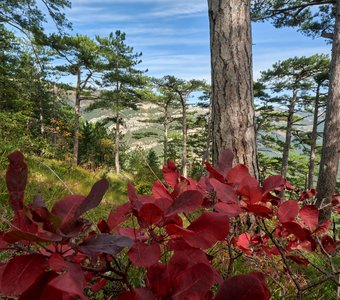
{"x": 76, "y": 120}
{"x": 330, "y": 152}
{"x": 314, "y": 137}
{"x": 117, "y": 144}
{"x": 166, "y": 132}
{"x": 184, "y": 138}
{"x": 286, "y": 147}
{"x": 206, "y": 153}
{"x": 232, "y": 95}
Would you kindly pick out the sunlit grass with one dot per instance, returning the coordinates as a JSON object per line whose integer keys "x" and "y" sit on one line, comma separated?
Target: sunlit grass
{"x": 54, "y": 179}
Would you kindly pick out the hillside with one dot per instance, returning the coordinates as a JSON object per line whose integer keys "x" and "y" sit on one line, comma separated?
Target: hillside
{"x": 142, "y": 127}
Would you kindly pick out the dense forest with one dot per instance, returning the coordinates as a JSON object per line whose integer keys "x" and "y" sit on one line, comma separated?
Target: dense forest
{"x": 281, "y": 132}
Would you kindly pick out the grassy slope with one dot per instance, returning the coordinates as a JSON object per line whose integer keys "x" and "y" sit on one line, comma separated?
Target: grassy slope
{"x": 43, "y": 179}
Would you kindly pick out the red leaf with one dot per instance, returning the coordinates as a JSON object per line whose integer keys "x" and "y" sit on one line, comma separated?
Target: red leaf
{"x": 336, "y": 203}
{"x": 135, "y": 234}
{"x": 16, "y": 179}
{"x": 71, "y": 283}
{"x": 307, "y": 245}
{"x": 158, "y": 280}
{"x": 133, "y": 198}
{"x": 159, "y": 190}
{"x": 224, "y": 192}
{"x": 70, "y": 208}
{"x": 272, "y": 183}
{"x": 295, "y": 229}
{"x": 105, "y": 243}
{"x": 186, "y": 202}
{"x": 225, "y": 161}
{"x": 144, "y": 255}
{"x": 99, "y": 285}
{"x": 137, "y": 294}
{"x": 237, "y": 174}
{"x": 243, "y": 243}
{"x": 309, "y": 214}
{"x": 213, "y": 173}
{"x": 210, "y": 227}
{"x": 261, "y": 209}
{"x": 289, "y": 186}
{"x": 3, "y": 243}
{"x": 249, "y": 191}
{"x": 150, "y": 214}
{"x": 21, "y": 272}
{"x": 176, "y": 231}
{"x": 250, "y": 286}
{"x": 328, "y": 244}
{"x": 2, "y": 269}
{"x": 66, "y": 209}
{"x": 307, "y": 195}
{"x": 164, "y": 203}
{"x": 57, "y": 263}
{"x": 193, "y": 282}
{"x": 171, "y": 174}
{"x": 16, "y": 235}
{"x": 118, "y": 215}
{"x": 288, "y": 211}
{"x": 186, "y": 257}
{"x": 230, "y": 210}
{"x": 39, "y": 290}
{"x": 103, "y": 227}
{"x": 94, "y": 197}
{"x": 299, "y": 260}
{"x": 324, "y": 227}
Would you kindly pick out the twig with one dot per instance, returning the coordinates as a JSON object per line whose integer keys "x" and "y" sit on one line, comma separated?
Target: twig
{"x": 65, "y": 185}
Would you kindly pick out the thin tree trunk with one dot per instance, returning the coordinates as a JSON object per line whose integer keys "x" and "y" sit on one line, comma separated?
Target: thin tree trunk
{"x": 330, "y": 152}
{"x": 166, "y": 131}
{"x": 285, "y": 155}
{"x": 314, "y": 137}
{"x": 184, "y": 138}
{"x": 41, "y": 118}
{"x": 232, "y": 94}
{"x": 206, "y": 153}
{"x": 76, "y": 121}
{"x": 117, "y": 144}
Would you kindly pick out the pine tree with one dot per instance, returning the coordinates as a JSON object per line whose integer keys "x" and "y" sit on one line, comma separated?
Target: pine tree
{"x": 120, "y": 84}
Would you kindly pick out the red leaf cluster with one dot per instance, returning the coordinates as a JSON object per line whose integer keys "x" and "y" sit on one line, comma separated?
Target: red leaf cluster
{"x": 168, "y": 235}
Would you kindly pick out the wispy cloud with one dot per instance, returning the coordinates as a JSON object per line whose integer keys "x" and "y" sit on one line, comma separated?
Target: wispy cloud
{"x": 183, "y": 66}
{"x": 174, "y": 34}
{"x": 180, "y": 8}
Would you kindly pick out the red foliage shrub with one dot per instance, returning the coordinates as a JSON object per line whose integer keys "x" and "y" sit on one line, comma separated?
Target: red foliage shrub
{"x": 170, "y": 234}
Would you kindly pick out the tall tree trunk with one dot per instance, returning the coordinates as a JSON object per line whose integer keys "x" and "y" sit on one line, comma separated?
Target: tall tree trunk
{"x": 232, "y": 94}
{"x": 117, "y": 144}
{"x": 314, "y": 137}
{"x": 41, "y": 117}
{"x": 76, "y": 120}
{"x": 166, "y": 131}
{"x": 184, "y": 138}
{"x": 330, "y": 151}
{"x": 206, "y": 153}
{"x": 290, "y": 120}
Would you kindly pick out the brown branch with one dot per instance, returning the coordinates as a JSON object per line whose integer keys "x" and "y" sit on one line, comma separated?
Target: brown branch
{"x": 284, "y": 258}
{"x": 301, "y": 6}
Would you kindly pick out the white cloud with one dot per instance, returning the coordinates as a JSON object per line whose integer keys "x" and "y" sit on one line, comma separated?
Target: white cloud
{"x": 187, "y": 66}
{"x": 86, "y": 10}
{"x": 180, "y": 8}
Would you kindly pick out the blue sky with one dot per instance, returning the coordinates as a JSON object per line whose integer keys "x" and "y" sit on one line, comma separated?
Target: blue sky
{"x": 174, "y": 35}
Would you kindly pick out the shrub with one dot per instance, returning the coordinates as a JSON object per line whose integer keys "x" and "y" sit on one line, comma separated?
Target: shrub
{"x": 181, "y": 242}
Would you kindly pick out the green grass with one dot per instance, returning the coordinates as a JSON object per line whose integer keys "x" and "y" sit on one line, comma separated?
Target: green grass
{"x": 54, "y": 179}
